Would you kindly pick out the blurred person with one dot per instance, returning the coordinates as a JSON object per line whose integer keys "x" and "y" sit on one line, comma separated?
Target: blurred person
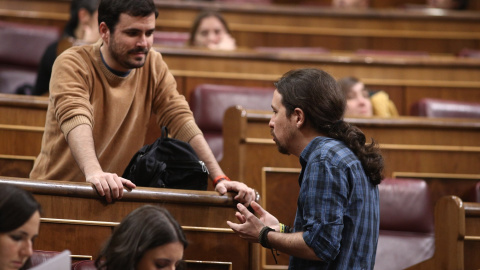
{"x": 361, "y": 104}
{"x": 19, "y": 225}
{"x": 81, "y": 27}
{"x": 148, "y": 238}
{"x": 210, "y": 30}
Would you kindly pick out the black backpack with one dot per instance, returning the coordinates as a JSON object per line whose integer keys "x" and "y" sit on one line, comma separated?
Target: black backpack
{"x": 167, "y": 163}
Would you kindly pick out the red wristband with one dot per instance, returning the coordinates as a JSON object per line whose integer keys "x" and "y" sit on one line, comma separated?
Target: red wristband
{"x": 219, "y": 178}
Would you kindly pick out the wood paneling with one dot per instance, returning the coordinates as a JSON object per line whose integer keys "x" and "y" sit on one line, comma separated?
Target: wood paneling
{"x": 75, "y": 217}
{"x": 295, "y": 25}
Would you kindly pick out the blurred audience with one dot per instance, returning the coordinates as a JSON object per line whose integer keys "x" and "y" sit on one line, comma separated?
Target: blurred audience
{"x": 210, "y": 30}
{"x": 19, "y": 224}
{"x": 351, "y": 3}
{"x": 147, "y": 238}
{"x": 82, "y": 27}
{"x": 362, "y": 103}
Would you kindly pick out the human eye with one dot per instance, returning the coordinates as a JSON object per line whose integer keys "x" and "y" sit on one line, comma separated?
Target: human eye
{"x": 161, "y": 264}
{"x": 149, "y": 33}
{"x": 16, "y": 237}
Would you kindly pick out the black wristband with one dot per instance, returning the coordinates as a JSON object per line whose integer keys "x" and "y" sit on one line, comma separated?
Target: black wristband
{"x": 262, "y": 237}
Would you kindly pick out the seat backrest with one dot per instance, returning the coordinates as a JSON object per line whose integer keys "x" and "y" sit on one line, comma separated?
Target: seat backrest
{"x": 406, "y": 224}
{"x": 166, "y": 38}
{"x": 84, "y": 265}
{"x": 429, "y": 107}
{"x": 24, "y": 44}
{"x": 209, "y": 103}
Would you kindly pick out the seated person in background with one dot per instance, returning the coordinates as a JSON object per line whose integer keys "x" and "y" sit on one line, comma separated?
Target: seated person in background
{"x": 210, "y": 30}
{"x": 448, "y": 4}
{"x": 82, "y": 25}
{"x": 147, "y": 238}
{"x": 102, "y": 96}
{"x": 19, "y": 224}
{"x": 350, "y": 3}
{"x": 361, "y": 104}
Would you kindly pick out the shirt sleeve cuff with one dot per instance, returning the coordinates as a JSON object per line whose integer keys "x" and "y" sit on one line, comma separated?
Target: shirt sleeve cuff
{"x": 188, "y": 131}
{"x": 74, "y": 122}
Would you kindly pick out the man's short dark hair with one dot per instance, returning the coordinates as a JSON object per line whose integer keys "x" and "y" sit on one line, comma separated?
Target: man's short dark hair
{"x": 109, "y": 10}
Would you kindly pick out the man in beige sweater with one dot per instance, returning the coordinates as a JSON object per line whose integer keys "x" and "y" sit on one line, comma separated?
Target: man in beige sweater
{"x": 101, "y": 99}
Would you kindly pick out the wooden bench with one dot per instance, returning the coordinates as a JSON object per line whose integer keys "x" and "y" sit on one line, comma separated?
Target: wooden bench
{"x": 457, "y": 236}
{"x": 295, "y": 26}
{"x": 74, "y": 217}
{"x": 444, "y": 152}
{"x": 405, "y": 79}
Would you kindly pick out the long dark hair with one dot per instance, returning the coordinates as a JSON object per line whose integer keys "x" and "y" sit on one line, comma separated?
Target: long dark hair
{"x": 319, "y": 96}
{"x": 144, "y": 228}
{"x": 198, "y": 20}
{"x": 90, "y": 5}
{"x": 109, "y": 10}
{"x": 16, "y": 207}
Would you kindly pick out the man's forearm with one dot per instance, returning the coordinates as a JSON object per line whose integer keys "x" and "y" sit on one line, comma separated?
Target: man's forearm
{"x": 200, "y": 145}
{"x": 292, "y": 244}
{"x": 80, "y": 141}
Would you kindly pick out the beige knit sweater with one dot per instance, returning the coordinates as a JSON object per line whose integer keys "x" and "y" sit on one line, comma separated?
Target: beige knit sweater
{"x": 84, "y": 91}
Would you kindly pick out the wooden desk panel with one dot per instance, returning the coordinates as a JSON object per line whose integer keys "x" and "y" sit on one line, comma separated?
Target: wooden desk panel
{"x": 294, "y": 25}
{"x": 75, "y": 217}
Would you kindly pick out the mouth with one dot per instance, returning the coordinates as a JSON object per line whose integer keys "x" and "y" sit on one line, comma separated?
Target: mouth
{"x": 17, "y": 264}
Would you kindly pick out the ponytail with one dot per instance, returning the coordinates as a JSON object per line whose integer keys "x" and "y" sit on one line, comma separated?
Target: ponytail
{"x": 368, "y": 154}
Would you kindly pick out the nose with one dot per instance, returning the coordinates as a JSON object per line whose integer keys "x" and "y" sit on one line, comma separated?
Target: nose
{"x": 142, "y": 41}
{"x": 270, "y": 123}
{"x": 212, "y": 37}
{"x": 27, "y": 249}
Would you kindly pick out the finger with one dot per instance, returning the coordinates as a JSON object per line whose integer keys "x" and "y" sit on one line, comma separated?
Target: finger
{"x": 241, "y": 196}
{"x": 220, "y": 188}
{"x": 256, "y": 207}
{"x": 243, "y": 210}
{"x": 98, "y": 187}
{"x": 119, "y": 184}
{"x": 127, "y": 183}
{"x": 113, "y": 187}
{"x": 106, "y": 190}
{"x": 234, "y": 226}
{"x": 240, "y": 217}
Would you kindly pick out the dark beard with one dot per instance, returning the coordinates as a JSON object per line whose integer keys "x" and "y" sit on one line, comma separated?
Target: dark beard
{"x": 127, "y": 64}
{"x": 280, "y": 148}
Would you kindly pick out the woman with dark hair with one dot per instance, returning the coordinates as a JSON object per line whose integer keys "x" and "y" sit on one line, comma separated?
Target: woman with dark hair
{"x": 210, "y": 30}
{"x": 147, "y": 238}
{"x": 19, "y": 224}
{"x": 362, "y": 103}
{"x": 82, "y": 27}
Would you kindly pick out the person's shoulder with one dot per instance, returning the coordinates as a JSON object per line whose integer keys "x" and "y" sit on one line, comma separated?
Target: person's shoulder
{"x": 332, "y": 150}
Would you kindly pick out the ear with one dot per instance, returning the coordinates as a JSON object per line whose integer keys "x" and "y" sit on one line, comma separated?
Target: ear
{"x": 104, "y": 32}
{"x": 299, "y": 117}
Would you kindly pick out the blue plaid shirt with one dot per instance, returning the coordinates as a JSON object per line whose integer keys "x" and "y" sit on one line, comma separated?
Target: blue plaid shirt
{"x": 337, "y": 209}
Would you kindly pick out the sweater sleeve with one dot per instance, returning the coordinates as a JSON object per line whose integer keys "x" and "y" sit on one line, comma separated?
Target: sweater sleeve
{"x": 170, "y": 107}
{"x": 70, "y": 93}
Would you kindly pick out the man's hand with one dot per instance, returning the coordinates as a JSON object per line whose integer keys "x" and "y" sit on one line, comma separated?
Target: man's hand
{"x": 110, "y": 185}
{"x": 249, "y": 227}
{"x": 245, "y": 194}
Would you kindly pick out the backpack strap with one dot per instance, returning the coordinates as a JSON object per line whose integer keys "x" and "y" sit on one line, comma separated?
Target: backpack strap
{"x": 164, "y": 132}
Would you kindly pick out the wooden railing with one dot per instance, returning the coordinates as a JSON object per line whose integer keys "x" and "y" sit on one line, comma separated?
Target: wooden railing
{"x": 74, "y": 217}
